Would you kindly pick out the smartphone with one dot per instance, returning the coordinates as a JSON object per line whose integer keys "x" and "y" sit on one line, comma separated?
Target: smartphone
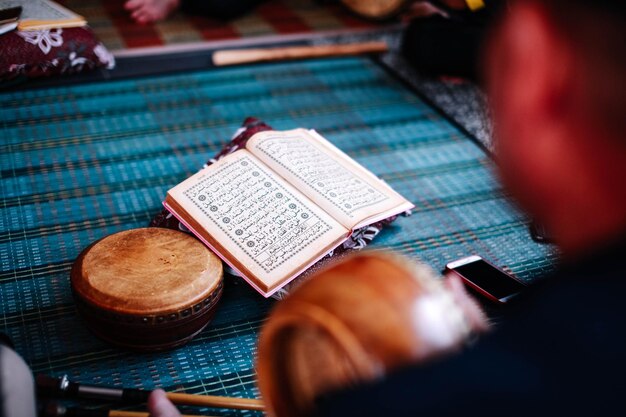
{"x": 486, "y": 279}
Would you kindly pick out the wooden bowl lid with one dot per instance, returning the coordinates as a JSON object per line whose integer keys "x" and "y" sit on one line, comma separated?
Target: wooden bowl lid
{"x": 146, "y": 271}
{"x": 375, "y": 9}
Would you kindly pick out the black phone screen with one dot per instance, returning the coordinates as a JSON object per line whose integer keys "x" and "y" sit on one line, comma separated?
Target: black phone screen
{"x": 490, "y": 279}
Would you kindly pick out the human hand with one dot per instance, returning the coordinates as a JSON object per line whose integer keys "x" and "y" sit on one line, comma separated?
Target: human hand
{"x": 160, "y": 406}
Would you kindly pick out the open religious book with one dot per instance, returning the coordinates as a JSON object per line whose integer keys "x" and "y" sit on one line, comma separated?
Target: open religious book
{"x": 273, "y": 209}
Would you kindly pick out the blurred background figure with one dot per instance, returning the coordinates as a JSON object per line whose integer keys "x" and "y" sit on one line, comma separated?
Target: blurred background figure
{"x": 447, "y": 37}
{"x": 150, "y": 11}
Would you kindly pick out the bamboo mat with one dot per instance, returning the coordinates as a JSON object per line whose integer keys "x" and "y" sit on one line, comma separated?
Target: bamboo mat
{"x": 80, "y": 162}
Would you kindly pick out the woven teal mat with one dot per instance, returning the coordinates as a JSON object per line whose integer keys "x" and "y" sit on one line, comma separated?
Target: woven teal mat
{"x": 81, "y": 162}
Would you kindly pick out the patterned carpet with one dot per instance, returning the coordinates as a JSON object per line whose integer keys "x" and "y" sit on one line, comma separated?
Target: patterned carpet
{"x": 113, "y": 25}
{"x": 83, "y": 161}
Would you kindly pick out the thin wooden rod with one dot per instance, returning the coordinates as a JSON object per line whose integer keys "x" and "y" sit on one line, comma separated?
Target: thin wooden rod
{"x": 243, "y": 56}
{"x": 215, "y": 401}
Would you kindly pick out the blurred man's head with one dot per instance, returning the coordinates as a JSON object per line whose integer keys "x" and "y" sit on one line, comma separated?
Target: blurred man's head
{"x": 556, "y": 73}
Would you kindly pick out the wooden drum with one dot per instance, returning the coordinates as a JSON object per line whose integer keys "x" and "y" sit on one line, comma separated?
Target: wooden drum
{"x": 147, "y": 289}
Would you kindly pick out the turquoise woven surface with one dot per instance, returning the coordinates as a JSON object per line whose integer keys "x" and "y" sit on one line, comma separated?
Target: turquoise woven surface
{"x": 81, "y": 162}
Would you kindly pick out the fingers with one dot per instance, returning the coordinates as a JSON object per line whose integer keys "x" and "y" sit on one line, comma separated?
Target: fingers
{"x": 160, "y": 406}
{"x": 133, "y": 4}
{"x": 140, "y": 10}
{"x": 142, "y": 16}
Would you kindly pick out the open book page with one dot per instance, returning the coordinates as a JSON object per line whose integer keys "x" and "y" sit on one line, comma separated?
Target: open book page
{"x": 41, "y": 14}
{"x": 261, "y": 226}
{"x": 330, "y": 178}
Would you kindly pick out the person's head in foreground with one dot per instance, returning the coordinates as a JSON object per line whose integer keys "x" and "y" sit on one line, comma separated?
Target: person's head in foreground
{"x": 556, "y": 76}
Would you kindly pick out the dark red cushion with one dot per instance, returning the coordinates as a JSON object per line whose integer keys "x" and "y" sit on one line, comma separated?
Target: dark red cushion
{"x": 41, "y": 53}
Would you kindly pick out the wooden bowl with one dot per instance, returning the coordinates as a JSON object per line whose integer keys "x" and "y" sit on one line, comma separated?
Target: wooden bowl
{"x": 351, "y": 323}
{"x": 147, "y": 289}
{"x": 376, "y": 9}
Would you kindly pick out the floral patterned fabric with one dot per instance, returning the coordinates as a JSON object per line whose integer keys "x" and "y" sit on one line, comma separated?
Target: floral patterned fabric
{"x": 40, "y": 53}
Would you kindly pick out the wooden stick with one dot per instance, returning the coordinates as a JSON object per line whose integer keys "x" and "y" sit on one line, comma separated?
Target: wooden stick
{"x": 242, "y": 56}
{"x": 63, "y": 388}
{"x": 215, "y": 401}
